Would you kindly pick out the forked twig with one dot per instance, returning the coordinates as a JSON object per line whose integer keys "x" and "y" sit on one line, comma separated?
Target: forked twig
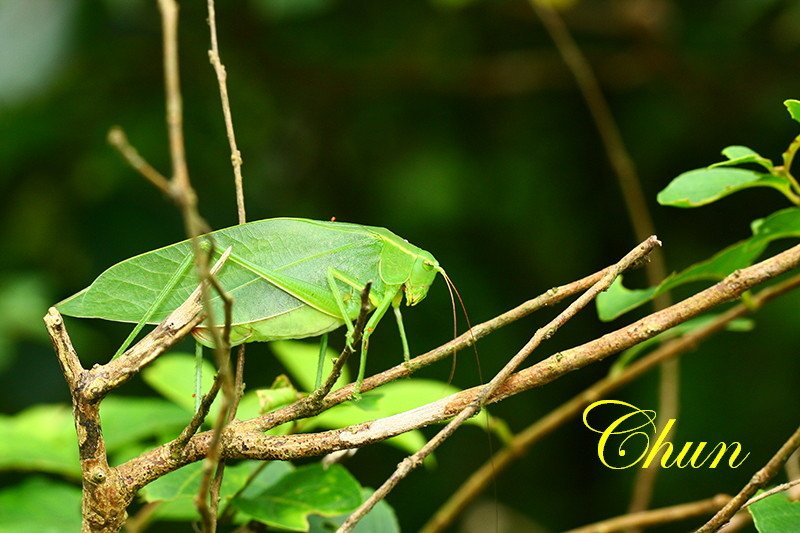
{"x": 477, "y": 403}
{"x": 118, "y": 139}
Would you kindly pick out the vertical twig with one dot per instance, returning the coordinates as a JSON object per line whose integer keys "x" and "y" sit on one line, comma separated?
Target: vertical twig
{"x": 638, "y": 214}
{"x": 236, "y": 161}
{"x": 222, "y": 76}
{"x": 186, "y": 198}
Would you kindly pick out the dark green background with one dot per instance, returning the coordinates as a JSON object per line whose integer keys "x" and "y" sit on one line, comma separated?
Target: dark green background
{"x": 455, "y": 124}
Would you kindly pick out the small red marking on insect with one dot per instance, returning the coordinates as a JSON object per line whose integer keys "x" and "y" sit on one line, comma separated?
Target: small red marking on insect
{"x": 333, "y": 219}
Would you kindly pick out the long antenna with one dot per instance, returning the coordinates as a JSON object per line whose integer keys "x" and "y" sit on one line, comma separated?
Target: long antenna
{"x": 451, "y": 287}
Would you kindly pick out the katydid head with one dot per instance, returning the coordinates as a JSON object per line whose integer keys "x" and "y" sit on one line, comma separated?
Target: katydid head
{"x": 423, "y": 272}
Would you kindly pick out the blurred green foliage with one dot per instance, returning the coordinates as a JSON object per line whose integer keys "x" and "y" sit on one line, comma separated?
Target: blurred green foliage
{"x": 456, "y": 125}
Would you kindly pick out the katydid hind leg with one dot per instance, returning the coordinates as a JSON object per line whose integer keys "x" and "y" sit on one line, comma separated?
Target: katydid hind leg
{"x": 333, "y": 276}
{"x": 337, "y": 296}
{"x": 176, "y": 277}
{"x": 323, "y": 350}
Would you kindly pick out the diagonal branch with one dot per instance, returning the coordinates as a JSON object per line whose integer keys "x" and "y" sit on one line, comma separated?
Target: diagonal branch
{"x": 244, "y": 440}
{"x": 636, "y": 205}
{"x": 480, "y": 399}
{"x": 522, "y": 442}
{"x": 758, "y": 480}
{"x": 656, "y": 517}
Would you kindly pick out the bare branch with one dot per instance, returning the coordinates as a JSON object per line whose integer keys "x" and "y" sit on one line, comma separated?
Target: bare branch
{"x": 774, "y": 490}
{"x": 546, "y": 299}
{"x": 118, "y": 139}
{"x": 638, "y": 214}
{"x": 101, "y": 379}
{"x": 522, "y": 442}
{"x": 180, "y": 173}
{"x": 222, "y": 76}
{"x": 759, "y": 479}
{"x": 656, "y": 517}
{"x": 469, "y": 411}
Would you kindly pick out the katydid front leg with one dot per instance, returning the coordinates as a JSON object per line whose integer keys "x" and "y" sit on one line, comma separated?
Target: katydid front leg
{"x": 399, "y": 317}
{"x": 383, "y": 306}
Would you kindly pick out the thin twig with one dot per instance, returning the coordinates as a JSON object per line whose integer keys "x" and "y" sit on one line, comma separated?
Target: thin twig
{"x": 541, "y": 334}
{"x": 236, "y": 161}
{"x": 638, "y": 214}
{"x": 240, "y": 441}
{"x": 656, "y": 517}
{"x": 548, "y": 298}
{"x": 758, "y": 480}
{"x": 219, "y": 69}
{"x": 185, "y": 196}
{"x": 774, "y": 490}
{"x": 198, "y": 418}
{"x": 118, "y": 139}
{"x": 522, "y": 442}
{"x": 180, "y": 172}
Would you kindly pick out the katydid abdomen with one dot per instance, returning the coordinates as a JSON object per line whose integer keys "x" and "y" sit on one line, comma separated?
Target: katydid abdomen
{"x": 289, "y": 278}
{"x": 299, "y": 323}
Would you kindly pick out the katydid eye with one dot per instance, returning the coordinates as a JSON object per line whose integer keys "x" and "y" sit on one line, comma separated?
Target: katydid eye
{"x": 427, "y": 265}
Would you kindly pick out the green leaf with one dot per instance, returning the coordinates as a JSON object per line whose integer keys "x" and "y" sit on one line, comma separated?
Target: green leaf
{"x": 631, "y": 354}
{"x": 40, "y": 438}
{"x": 300, "y": 360}
{"x": 618, "y": 300}
{"x": 391, "y": 399}
{"x": 741, "y": 155}
{"x": 381, "y": 519}
{"x": 23, "y": 300}
{"x": 782, "y": 224}
{"x": 176, "y": 490}
{"x": 793, "y": 106}
{"x": 309, "y": 490}
{"x": 776, "y": 514}
{"x": 172, "y": 375}
{"x": 705, "y": 185}
{"x": 128, "y": 420}
{"x": 41, "y": 505}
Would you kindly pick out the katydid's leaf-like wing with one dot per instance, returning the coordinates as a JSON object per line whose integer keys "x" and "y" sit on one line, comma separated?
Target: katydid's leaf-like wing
{"x": 296, "y": 249}
{"x": 782, "y": 224}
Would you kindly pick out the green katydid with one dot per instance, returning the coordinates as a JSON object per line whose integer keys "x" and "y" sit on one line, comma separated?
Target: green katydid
{"x": 290, "y": 278}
